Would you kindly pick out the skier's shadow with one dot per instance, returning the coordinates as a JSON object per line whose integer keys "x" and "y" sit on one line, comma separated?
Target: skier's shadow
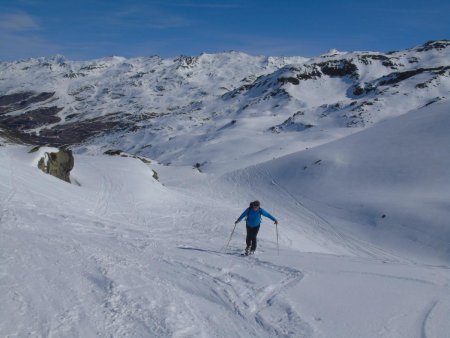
{"x": 233, "y": 252}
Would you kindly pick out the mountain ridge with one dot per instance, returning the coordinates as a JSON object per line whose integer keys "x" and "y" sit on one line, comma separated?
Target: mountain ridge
{"x": 112, "y": 102}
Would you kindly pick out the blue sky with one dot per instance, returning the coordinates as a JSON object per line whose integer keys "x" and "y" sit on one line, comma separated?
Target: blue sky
{"x": 83, "y": 29}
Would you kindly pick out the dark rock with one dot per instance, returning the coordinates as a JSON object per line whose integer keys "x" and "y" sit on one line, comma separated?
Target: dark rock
{"x": 155, "y": 175}
{"x": 436, "y": 99}
{"x": 199, "y": 165}
{"x": 34, "y": 149}
{"x": 58, "y": 164}
{"x": 438, "y": 45}
{"x": 13, "y": 102}
{"x": 360, "y": 107}
{"x": 186, "y": 61}
{"x": 358, "y": 91}
{"x": 93, "y": 67}
{"x": 71, "y": 116}
{"x": 138, "y": 75}
{"x": 276, "y": 93}
{"x": 237, "y": 91}
{"x": 66, "y": 134}
{"x": 293, "y": 123}
{"x": 421, "y": 85}
{"x": 73, "y": 75}
{"x": 339, "y": 68}
{"x": 31, "y": 119}
{"x": 6, "y": 100}
{"x": 113, "y": 152}
{"x": 309, "y": 75}
{"x": 261, "y": 81}
{"x": 292, "y": 80}
{"x": 330, "y": 108}
{"x": 361, "y": 89}
{"x": 394, "y": 78}
{"x": 397, "y": 77}
{"x": 385, "y": 61}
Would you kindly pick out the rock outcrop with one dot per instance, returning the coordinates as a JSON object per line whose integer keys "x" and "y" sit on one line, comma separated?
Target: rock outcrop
{"x": 58, "y": 164}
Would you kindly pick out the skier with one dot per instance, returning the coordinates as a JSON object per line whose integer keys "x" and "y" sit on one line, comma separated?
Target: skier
{"x": 253, "y": 221}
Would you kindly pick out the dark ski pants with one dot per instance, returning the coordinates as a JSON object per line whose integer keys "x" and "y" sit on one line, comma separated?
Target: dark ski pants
{"x": 251, "y": 237}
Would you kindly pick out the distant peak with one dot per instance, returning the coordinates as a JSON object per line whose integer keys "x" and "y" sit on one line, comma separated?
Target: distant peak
{"x": 332, "y": 52}
{"x": 434, "y": 44}
{"x": 116, "y": 58}
{"x": 58, "y": 58}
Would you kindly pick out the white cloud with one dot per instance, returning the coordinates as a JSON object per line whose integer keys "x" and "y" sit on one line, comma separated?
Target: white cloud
{"x": 18, "y": 22}
{"x": 22, "y": 47}
{"x": 20, "y": 37}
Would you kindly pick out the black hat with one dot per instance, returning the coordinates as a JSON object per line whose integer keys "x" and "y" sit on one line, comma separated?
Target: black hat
{"x": 256, "y": 204}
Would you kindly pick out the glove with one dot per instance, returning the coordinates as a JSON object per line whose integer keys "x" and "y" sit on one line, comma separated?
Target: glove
{"x": 276, "y": 222}
{"x": 236, "y": 222}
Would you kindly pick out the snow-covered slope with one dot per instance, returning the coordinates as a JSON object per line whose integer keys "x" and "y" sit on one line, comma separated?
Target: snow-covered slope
{"x": 122, "y": 255}
{"x": 348, "y": 150}
{"x": 388, "y": 185}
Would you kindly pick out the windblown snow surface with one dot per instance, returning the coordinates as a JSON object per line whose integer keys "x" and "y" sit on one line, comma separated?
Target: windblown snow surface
{"x": 364, "y": 242}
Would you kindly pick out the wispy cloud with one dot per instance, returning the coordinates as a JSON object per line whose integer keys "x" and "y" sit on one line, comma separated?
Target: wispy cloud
{"x": 18, "y": 22}
{"x": 21, "y": 37}
{"x": 25, "y": 46}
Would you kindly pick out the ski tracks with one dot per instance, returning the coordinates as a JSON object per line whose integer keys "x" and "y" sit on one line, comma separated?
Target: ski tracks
{"x": 251, "y": 290}
{"x": 145, "y": 302}
{"x": 275, "y": 314}
{"x": 10, "y": 194}
{"x": 434, "y": 313}
{"x": 327, "y": 230}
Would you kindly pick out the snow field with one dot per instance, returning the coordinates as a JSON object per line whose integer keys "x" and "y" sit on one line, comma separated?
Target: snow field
{"x": 125, "y": 255}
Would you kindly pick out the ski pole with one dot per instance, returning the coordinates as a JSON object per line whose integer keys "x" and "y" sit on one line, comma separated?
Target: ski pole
{"x": 226, "y": 247}
{"x": 276, "y": 228}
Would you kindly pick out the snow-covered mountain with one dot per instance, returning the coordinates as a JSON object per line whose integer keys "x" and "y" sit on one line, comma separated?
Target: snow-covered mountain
{"x": 350, "y": 151}
{"x": 179, "y": 110}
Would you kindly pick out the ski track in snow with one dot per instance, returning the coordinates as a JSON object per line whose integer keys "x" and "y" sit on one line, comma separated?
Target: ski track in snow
{"x": 324, "y": 229}
{"x": 425, "y": 319}
{"x": 251, "y": 303}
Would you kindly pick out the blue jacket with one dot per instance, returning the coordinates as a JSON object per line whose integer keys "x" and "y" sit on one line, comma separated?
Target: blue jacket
{"x": 254, "y": 217}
